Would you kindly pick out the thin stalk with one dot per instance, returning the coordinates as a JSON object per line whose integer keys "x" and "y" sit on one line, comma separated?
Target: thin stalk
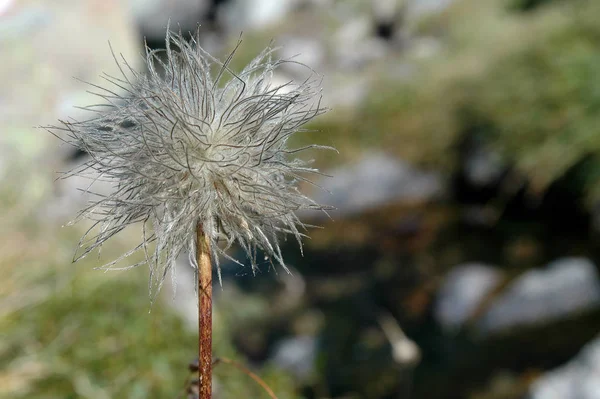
{"x": 204, "y": 313}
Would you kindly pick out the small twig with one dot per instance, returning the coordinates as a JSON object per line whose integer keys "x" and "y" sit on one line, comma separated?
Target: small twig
{"x": 249, "y": 373}
{"x": 404, "y": 351}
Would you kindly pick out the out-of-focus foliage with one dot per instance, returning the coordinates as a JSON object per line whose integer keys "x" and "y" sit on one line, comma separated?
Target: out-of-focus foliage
{"x": 526, "y": 5}
{"x": 544, "y": 101}
{"x": 70, "y": 331}
{"x": 96, "y": 341}
{"x": 527, "y": 84}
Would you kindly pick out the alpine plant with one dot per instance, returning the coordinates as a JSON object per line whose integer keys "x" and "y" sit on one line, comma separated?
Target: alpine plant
{"x": 190, "y": 141}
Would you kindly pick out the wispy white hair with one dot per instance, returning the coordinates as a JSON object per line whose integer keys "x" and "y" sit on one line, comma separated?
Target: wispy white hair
{"x": 193, "y": 143}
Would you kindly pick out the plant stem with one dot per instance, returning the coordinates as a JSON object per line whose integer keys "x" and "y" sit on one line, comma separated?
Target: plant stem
{"x": 204, "y": 313}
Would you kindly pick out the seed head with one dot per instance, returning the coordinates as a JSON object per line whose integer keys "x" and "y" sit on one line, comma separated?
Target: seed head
{"x": 192, "y": 143}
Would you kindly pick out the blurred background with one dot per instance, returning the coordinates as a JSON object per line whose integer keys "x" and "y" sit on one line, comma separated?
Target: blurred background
{"x": 462, "y": 261}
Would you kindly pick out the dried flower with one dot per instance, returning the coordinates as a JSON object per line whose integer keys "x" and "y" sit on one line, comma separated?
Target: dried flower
{"x": 193, "y": 142}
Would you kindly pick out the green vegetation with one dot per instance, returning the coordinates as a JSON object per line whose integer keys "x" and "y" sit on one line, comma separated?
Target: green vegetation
{"x": 69, "y": 331}
{"x": 97, "y": 340}
{"x": 544, "y": 101}
{"x": 528, "y": 85}
{"x": 526, "y": 5}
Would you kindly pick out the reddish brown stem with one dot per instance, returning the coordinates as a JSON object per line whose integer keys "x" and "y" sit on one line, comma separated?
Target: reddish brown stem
{"x": 204, "y": 313}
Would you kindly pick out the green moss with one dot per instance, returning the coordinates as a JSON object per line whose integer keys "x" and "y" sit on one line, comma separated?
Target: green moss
{"x": 101, "y": 339}
{"x": 97, "y": 339}
{"x": 544, "y": 101}
{"x": 527, "y": 85}
{"x": 69, "y": 331}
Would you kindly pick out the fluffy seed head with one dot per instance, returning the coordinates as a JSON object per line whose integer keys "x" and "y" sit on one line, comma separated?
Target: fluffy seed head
{"x": 192, "y": 143}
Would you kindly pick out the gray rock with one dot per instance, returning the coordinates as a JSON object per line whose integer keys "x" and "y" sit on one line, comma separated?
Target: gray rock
{"x": 419, "y": 8}
{"x": 239, "y": 15}
{"x": 304, "y": 50}
{"x": 565, "y": 286}
{"x": 41, "y": 56}
{"x": 342, "y": 91}
{"x": 355, "y": 46}
{"x": 376, "y": 180}
{"x": 578, "y": 379}
{"x": 21, "y": 20}
{"x": 296, "y": 355}
{"x": 385, "y": 9}
{"x": 483, "y": 166}
{"x": 462, "y": 291}
{"x": 152, "y": 16}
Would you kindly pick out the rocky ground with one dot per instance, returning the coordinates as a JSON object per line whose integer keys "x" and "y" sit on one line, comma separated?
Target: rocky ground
{"x": 454, "y": 267}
